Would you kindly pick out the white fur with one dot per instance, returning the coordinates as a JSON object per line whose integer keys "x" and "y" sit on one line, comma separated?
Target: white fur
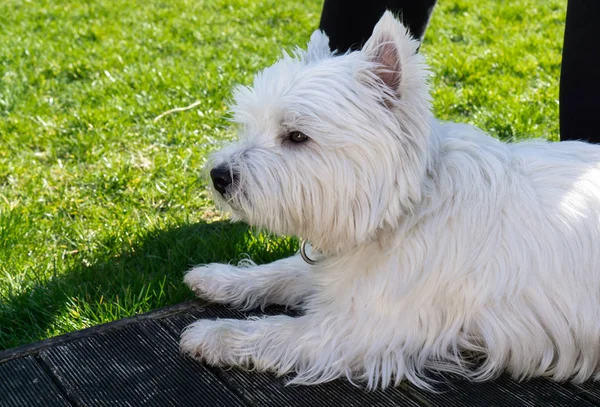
{"x": 440, "y": 244}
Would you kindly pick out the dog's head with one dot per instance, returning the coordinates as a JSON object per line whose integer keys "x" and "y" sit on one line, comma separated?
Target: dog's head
{"x": 331, "y": 147}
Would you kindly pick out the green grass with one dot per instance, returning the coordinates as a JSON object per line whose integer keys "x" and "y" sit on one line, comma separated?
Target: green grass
{"x": 102, "y": 209}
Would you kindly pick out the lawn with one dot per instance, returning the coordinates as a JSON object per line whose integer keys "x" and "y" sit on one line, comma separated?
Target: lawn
{"x": 102, "y": 208}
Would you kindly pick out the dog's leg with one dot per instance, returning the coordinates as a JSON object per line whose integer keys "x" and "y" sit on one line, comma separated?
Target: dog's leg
{"x": 280, "y": 343}
{"x": 246, "y": 286}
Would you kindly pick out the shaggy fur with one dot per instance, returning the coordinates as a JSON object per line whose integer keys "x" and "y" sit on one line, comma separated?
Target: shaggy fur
{"x": 442, "y": 249}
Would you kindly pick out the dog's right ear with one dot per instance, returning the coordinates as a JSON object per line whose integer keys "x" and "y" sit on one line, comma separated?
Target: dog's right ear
{"x": 318, "y": 47}
{"x": 390, "y": 47}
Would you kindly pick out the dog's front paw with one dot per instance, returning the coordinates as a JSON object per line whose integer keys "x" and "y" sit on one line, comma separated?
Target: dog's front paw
{"x": 211, "y": 341}
{"x": 213, "y": 282}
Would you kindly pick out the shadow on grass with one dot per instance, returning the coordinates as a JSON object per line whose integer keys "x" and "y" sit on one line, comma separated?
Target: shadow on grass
{"x": 147, "y": 276}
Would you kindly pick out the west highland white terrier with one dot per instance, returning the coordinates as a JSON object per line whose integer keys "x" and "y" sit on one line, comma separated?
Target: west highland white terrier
{"x": 441, "y": 248}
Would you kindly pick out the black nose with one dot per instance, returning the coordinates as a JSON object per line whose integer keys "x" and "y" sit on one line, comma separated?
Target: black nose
{"x": 221, "y": 178}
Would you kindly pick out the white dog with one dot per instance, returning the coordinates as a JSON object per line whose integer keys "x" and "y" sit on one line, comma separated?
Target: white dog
{"x": 441, "y": 248}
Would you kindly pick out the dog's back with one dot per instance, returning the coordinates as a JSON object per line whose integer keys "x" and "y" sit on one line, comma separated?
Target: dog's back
{"x": 526, "y": 218}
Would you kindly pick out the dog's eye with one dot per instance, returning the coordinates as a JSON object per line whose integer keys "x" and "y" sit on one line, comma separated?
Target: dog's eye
{"x": 297, "y": 136}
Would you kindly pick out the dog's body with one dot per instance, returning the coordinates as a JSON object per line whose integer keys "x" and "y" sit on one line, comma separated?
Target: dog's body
{"x": 438, "y": 241}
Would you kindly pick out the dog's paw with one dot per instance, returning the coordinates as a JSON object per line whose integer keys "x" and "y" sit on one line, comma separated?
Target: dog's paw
{"x": 211, "y": 341}
{"x": 213, "y": 282}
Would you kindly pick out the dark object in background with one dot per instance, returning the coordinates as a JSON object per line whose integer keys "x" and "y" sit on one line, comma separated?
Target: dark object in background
{"x": 349, "y": 23}
{"x": 580, "y": 73}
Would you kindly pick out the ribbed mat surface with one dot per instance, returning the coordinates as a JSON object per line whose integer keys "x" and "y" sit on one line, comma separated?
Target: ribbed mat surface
{"x": 503, "y": 392}
{"x": 132, "y": 366}
{"x": 590, "y": 389}
{"x": 24, "y": 383}
{"x": 137, "y": 363}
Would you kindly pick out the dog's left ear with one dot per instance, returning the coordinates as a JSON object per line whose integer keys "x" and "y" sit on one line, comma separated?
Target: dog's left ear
{"x": 318, "y": 47}
{"x": 390, "y": 47}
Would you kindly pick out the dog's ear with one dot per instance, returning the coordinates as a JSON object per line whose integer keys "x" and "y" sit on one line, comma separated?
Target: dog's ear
{"x": 389, "y": 47}
{"x": 318, "y": 47}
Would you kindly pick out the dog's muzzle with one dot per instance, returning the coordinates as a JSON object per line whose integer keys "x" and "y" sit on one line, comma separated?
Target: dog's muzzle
{"x": 222, "y": 177}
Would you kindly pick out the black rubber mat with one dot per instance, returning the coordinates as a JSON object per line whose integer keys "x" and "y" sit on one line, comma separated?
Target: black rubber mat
{"x": 24, "y": 383}
{"x": 266, "y": 390}
{"x": 590, "y": 390}
{"x": 132, "y": 366}
{"x": 501, "y": 392}
{"x": 136, "y": 362}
